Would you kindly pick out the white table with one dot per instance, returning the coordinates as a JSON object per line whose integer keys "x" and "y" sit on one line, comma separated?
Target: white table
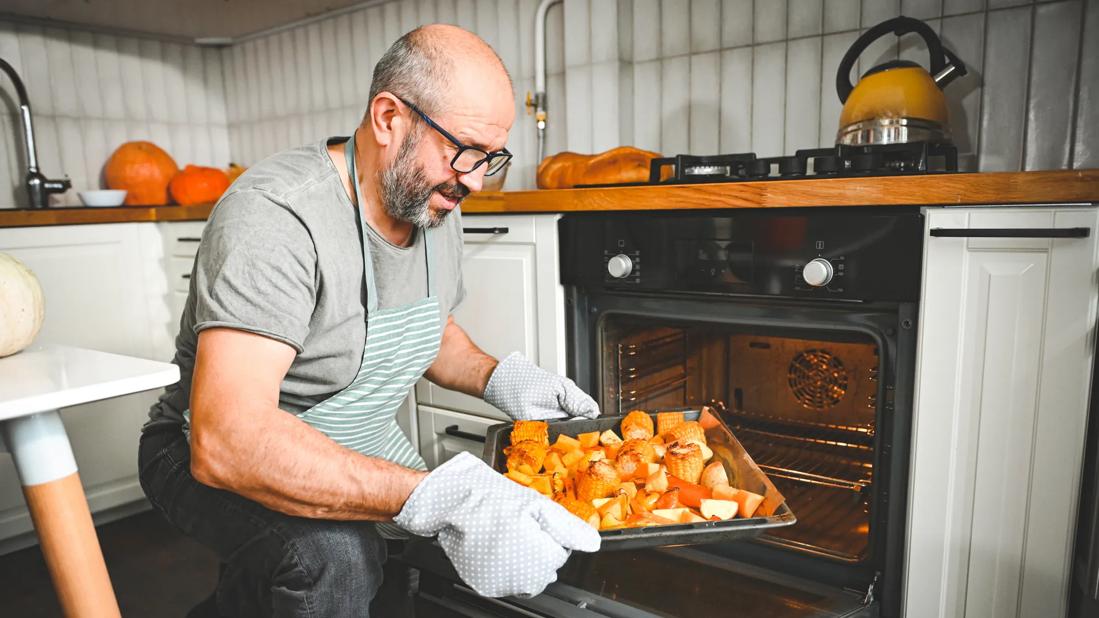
{"x": 34, "y": 384}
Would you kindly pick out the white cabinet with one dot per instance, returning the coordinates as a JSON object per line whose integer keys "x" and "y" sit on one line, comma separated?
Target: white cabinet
{"x": 104, "y": 289}
{"x": 181, "y": 240}
{"x": 513, "y": 302}
{"x": 1007, "y": 328}
{"x": 445, "y": 433}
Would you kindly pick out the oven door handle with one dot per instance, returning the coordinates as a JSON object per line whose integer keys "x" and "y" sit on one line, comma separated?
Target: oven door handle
{"x": 453, "y": 430}
{"x": 1012, "y": 232}
{"x": 495, "y": 231}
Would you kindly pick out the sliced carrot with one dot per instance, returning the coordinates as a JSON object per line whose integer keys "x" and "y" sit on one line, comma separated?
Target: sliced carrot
{"x": 690, "y": 494}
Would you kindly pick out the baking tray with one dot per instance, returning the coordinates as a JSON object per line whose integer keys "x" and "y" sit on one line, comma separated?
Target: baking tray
{"x": 743, "y": 473}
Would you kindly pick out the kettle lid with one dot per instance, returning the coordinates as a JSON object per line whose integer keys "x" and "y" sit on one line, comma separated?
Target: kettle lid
{"x": 892, "y": 64}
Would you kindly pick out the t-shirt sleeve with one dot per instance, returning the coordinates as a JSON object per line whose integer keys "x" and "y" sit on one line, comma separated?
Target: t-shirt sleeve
{"x": 256, "y": 270}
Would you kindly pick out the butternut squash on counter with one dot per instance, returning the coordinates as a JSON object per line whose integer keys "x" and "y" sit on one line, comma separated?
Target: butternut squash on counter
{"x": 628, "y": 481}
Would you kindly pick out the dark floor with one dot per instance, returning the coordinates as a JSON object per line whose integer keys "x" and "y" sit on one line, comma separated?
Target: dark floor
{"x": 155, "y": 571}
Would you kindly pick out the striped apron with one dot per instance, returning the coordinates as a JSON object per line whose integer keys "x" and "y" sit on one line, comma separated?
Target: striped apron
{"x": 401, "y": 343}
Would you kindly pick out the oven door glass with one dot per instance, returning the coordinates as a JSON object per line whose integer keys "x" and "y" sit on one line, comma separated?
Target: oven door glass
{"x": 804, "y": 407}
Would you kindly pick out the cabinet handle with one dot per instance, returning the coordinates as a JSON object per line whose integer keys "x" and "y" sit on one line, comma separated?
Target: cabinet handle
{"x": 189, "y": 239}
{"x": 186, "y": 275}
{"x": 465, "y": 435}
{"x": 1012, "y": 232}
{"x": 485, "y": 230}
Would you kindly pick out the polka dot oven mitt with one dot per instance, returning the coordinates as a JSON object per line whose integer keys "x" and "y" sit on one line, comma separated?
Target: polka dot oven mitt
{"x": 526, "y": 392}
{"x": 503, "y": 539}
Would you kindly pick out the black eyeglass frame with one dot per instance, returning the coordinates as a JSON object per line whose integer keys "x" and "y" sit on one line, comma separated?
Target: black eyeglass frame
{"x": 490, "y": 157}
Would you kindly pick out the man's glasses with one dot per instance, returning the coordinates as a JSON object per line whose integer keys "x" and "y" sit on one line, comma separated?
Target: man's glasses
{"x": 468, "y": 158}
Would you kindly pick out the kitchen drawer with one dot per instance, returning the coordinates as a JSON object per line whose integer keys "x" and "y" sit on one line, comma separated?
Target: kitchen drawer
{"x": 183, "y": 237}
{"x": 445, "y": 433}
{"x": 498, "y": 228}
{"x": 179, "y": 273}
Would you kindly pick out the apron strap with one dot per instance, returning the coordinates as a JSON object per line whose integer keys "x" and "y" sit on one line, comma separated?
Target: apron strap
{"x": 368, "y": 260}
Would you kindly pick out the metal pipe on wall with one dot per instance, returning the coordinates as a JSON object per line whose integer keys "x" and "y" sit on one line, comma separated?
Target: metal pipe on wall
{"x": 538, "y": 100}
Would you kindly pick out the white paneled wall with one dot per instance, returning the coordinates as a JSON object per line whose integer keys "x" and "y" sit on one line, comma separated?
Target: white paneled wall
{"x": 91, "y": 92}
{"x": 707, "y": 76}
{"x": 312, "y": 82}
{"x": 1031, "y": 100}
{"x": 697, "y": 76}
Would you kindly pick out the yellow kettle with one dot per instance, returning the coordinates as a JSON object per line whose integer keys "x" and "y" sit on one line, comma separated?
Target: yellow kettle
{"x": 898, "y": 101}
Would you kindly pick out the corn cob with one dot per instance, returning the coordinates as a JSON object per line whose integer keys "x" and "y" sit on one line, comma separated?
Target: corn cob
{"x": 583, "y": 510}
{"x": 637, "y": 425}
{"x": 687, "y": 431}
{"x": 530, "y": 430}
{"x": 598, "y": 481}
{"x": 527, "y": 456}
{"x": 684, "y": 460}
{"x": 642, "y": 447}
{"x": 665, "y": 421}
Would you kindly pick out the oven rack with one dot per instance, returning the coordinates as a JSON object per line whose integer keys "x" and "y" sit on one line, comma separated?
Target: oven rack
{"x": 856, "y": 432}
{"x": 809, "y": 460}
{"x": 831, "y": 524}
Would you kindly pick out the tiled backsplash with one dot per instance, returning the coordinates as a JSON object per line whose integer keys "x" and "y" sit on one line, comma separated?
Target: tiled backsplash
{"x": 697, "y": 76}
{"x": 91, "y": 92}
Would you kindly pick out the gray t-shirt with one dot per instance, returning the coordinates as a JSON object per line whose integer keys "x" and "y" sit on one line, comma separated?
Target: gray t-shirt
{"x": 281, "y": 256}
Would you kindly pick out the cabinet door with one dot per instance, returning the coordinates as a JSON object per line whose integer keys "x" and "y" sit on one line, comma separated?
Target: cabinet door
{"x": 513, "y": 301}
{"x": 1003, "y": 376}
{"x": 96, "y": 280}
{"x": 441, "y": 434}
{"x": 181, "y": 240}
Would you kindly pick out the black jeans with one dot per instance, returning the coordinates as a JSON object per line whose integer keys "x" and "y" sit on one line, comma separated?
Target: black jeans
{"x": 271, "y": 564}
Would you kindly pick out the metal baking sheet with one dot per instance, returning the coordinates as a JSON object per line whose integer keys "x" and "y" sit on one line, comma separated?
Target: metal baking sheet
{"x": 743, "y": 474}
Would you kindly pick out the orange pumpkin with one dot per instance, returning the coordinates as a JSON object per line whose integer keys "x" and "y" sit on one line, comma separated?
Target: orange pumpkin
{"x": 235, "y": 171}
{"x": 198, "y": 185}
{"x": 143, "y": 170}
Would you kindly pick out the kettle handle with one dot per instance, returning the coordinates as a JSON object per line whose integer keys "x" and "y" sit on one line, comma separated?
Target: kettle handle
{"x": 898, "y": 26}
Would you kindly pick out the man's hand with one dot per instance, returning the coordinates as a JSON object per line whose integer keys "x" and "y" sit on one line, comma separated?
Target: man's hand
{"x": 503, "y": 539}
{"x": 524, "y": 391}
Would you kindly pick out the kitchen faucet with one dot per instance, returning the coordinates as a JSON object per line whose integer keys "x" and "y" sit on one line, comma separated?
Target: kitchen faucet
{"x": 38, "y": 186}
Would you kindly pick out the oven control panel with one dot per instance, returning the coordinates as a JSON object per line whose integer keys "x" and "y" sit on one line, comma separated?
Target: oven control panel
{"x": 819, "y": 273}
{"x": 623, "y": 266}
{"x": 826, "y": 253}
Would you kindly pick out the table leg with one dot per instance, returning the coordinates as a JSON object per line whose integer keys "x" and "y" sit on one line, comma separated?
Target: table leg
{"x": 44, "y": 460}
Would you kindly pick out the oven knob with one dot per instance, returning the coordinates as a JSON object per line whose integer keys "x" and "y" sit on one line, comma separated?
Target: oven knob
{"x": 817, "y": 273}
{"x": 620, "y": 266}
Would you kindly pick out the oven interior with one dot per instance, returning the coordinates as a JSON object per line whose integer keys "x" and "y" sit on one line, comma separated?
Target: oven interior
{"x": 803, "y": 404}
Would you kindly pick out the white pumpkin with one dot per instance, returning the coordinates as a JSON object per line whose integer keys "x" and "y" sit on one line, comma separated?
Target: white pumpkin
{"x": 22, "y": 307}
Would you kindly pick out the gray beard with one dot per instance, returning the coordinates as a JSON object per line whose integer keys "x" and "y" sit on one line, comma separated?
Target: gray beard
{"x": 406, "y": 191}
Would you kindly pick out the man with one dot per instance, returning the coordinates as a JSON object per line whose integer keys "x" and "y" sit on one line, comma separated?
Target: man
{"x": 322, "y": 291}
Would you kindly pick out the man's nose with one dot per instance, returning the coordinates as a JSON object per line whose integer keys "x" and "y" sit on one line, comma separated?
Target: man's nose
{"x": 473, "y": 180}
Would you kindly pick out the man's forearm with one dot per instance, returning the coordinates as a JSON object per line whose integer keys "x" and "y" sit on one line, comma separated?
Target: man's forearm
{"x": 461, "y": 365}
{"x": 277, "y": 460}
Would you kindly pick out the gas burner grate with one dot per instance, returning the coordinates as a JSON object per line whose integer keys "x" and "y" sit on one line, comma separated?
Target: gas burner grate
{"x": 839, "y": 161}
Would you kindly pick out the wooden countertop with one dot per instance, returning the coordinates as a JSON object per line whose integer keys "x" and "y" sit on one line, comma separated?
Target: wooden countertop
{"x": 999, "y": 188}
{"x": 117, "y": 214}
{"x": 1063, "y": 186}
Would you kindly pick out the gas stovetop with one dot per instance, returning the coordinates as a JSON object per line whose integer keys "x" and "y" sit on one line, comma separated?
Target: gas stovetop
{"x": 838, "y": 162}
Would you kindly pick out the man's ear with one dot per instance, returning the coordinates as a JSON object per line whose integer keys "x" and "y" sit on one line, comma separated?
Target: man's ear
{"x": 385, "y": 119}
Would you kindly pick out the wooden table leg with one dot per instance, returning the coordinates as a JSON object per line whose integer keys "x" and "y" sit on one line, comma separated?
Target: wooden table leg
{"x": 59, "y": 509}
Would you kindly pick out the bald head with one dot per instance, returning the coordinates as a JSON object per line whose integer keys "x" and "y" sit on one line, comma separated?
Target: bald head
{"x": 433, "y": 64}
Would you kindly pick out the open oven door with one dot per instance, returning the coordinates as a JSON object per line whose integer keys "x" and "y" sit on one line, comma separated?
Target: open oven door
{"x": 658, "y": 583}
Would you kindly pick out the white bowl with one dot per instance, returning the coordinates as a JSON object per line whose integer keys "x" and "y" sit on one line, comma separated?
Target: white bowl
{"x": 102, "y": 198}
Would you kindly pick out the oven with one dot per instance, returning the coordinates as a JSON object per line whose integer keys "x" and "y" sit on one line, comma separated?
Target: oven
{"x": 799, "y": 327}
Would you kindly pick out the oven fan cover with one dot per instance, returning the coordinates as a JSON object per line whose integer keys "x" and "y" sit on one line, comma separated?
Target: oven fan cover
{"x": 818, "y": 379}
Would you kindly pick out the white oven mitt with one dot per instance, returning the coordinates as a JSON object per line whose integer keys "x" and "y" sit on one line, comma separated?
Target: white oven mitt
{"x": 504, "y": 539}
{"x": 526, "y": 392}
